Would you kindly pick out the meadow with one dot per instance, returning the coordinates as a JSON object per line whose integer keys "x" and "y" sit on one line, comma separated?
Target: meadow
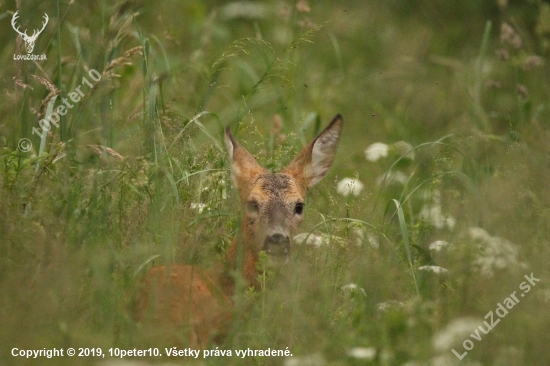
{"x": 427, "y": 244}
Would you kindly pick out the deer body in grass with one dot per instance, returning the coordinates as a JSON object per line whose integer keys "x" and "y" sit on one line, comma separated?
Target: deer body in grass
{"x": 273, "y": 207}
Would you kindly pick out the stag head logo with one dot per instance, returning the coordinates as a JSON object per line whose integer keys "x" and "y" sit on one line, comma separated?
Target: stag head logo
{"x": 29, "y": 40}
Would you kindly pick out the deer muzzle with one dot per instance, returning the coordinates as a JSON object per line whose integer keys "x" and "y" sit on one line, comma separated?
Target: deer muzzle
{"x": 277, "y": 245}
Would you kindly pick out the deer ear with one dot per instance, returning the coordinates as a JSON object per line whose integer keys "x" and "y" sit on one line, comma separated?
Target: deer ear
{"x": 243, "y": 164}
{"x": 314, "y": 161}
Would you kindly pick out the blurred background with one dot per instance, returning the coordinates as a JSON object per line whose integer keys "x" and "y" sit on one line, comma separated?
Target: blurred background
{"x": 435, "y": 209}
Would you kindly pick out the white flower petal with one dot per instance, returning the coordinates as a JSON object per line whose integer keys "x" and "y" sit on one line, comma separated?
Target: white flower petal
{"x": 349, "y": 186}
{"x": 438, "y": 245}
{"x": 363, "y": 353}
{"x": 198, "y": 206}
{"x": 315, "y": 359}
{"x": 496, "y": 253}
{"x": 352, "y": 287}
{"x": 434, "y": 215}
{"x": 404, "y": 149}
{"x": 376, "y": 151}
{"x": 454, "y": 333}
{"x": 435, "y": 269}
{"x": 388, "y": 305}
{"x": 392, "y": 177}
{"x": 311, "y": 239}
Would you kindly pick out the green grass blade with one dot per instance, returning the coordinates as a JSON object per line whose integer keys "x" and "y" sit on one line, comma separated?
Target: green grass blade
{"x": 405, "y": 234}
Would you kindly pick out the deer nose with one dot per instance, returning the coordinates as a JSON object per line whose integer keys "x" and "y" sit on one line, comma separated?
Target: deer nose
{"x": 277, "y": 244}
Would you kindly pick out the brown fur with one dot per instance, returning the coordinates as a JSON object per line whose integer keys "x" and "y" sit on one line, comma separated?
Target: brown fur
{"x": 188, "y": 296}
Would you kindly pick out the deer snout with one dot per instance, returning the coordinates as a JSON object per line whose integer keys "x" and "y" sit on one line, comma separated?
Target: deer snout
{"x": 277, "y": 244}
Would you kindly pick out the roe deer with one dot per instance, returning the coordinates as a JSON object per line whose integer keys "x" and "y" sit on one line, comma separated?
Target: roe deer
{"x": 273, "y": 205}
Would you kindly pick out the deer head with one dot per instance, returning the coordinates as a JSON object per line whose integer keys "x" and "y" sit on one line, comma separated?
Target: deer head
{"x": 29, "y": 40}
{"x": 273, "y": 203}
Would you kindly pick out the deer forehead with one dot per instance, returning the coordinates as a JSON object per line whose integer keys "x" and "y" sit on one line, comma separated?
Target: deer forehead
{"x": 276, "y": 187}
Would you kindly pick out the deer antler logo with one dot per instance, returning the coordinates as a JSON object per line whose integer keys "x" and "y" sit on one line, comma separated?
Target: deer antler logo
{"x": 29, "y": 40}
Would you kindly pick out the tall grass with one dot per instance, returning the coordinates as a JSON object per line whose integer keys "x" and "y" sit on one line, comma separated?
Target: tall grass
{"x": 449, "y": 222}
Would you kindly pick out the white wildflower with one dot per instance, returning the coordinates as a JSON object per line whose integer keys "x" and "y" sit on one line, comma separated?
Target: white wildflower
{"x": 363, "y": 353}
{"x": 309, "y": 360}
{"x": 448, "y": 359}
{"x": 372, "y": 239}
{"x": 198, "y": 206}
{"x": 496, "y": 253}
{"x": 376, "y": 151}
{"x": 311, "y": 239}
{"x": 478, "y": 233}
{"x": 392, "y": 177}
{"x": 349, "y": 186}
{"x": 359, "y": 235}
{"x": 454, "y": 333}
{"x": 389, "y": 305}
{"x": 404, "y": 149}
{"x": 351, "y": 288}
{"x": 435, "y": 269}
{"x": 434, "y": 215}
{"x": 439, "y": 250}
{"x": 438, "y": 245}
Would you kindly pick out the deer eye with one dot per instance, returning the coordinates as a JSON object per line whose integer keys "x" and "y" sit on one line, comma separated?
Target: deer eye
{"x": 299, "y": 208}
{"x": 252, "y": 207}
